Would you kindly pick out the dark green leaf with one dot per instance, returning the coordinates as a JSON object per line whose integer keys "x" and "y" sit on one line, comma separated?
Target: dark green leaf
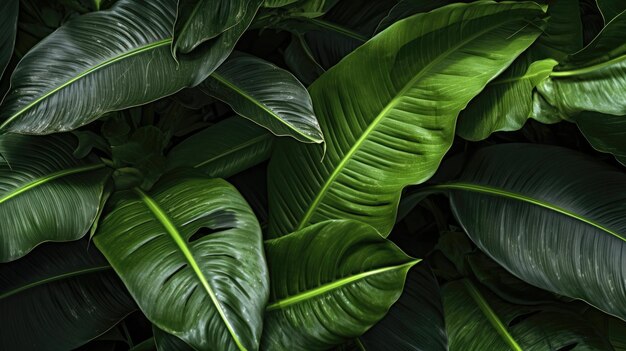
{"x": 611, "y": 9}
{"x": 267, "y": 95}
{"x": 168, "y": 342}
{"x": 190, "y": 253}
{"x": 300, "y": 60}
{"x": 388, "y": 113}
{"x": 58, "y": 298}
{"x": 46, "y": 194}
{"x": 342, "y": 280}
{"x": 8, "y": 28}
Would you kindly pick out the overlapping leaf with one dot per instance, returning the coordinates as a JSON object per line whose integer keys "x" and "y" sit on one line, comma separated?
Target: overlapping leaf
{"x": 46, "y": 194}
{"x": 556, "y": 219}
{"x": 190, "y": 253}
{"x": 223, "y": 149}
{"x": 388, "y": 112}
{"x": 266, "y": 95}
{"x": 8, "y": 27}
{"x": 342, "y": 280}
{"x": 58, "y": 298}
{"x": 105, "y": 61}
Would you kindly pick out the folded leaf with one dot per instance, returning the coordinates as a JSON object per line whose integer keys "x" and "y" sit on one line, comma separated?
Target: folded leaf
{"x": 388, "y": 112}
{"x": 342, "y": 281}
{"x": 46, "y": 194}
{"x": 58, "y": 298}
{"x": 124, "y": 61}
{"x": 415, "y": 322}
{"x": 477, "y": 321}
{"x": 8, "y": 28}
{"x": 190, "y": 253}
{"x": 267, "y": 95}
{"x": 555, "y": 219}
{"x": 224, "y": 149}
{"x": 200, "y": 20}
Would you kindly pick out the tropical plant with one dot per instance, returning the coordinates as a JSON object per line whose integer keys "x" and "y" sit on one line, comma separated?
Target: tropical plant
{"x": 312, "y": 175}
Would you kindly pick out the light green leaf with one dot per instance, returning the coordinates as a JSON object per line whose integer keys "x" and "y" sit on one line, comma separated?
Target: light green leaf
{"x": 224, "y": 149}
{"x": 267, "y": 95}
{"x": 46, "y": 194}
{"x": 556, "y": 219}
{"x": 58, "y": 298}
{"x": 342, "y": 281}
{"x": 415, "y": 322}
{"x": 190, "y": 253}
{"x": 200, "y": 20}
{"x": 593, "y": 79}
{"x": 8, "y": 28}
{"x": 125, "y": 61}
{"x": 477, "y": 320}
{"x": 388, "y": 113}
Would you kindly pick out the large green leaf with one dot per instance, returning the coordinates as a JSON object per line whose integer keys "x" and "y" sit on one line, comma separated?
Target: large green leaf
{"x": 342, "y": 280}
{"x": 413, "y": 323}
{"x": 593, "y": 79}
{"x": 46, "y": 194}
{"x": 190, "y": 253}
{"x": 267, "y": 95}
{"x": 611, "y": 8}
{"x": 551, "y": 216}
{"x": 388, "y": 112}
{"x": 58, "y": 298}
{"x": 123, "y": 60}
{"x": 476, "y": 321}
{"x": 224, "y": 149}
{"x": 8, "y": 28}
{"x": 200, "y": 20}
{"x": 507, "y": 102}
{"x": 605, "y": 133}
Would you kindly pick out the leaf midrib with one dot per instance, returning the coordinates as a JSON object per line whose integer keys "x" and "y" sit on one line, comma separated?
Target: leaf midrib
{"x": 491, "y": 315}
{"x": 516, "y": 196}
{"x": 171, "y": 229}
{"x": 231, "y": 85}
{"x": 357, "y": 145}
{"x": 322, "y": 289}
{"x": 95, "y": 68}
{"x": 55, "y": 279}
{"x": 50, "y": 177}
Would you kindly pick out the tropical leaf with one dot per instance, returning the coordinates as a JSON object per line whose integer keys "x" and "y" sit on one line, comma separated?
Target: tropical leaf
{"x": 124, "y": 56}
{"x": 611, "y": 9}
{"x": 190, "y": 253}
{"x": 8, "y": 28}
{"x": 58, "y": 298}
{"x": 476, "y": 320}
{"x": 46, "y": 194}
{"x": 224, "y": 149}
{"x": 168, "y": 342}
{"x": 267, "y": 95}
{"x": 388, "y": 112}
{"x": 300, "y": 60}
{"x": 200, "y": 20}
{"x": 593, "y": 79}
{"x": 407, "y": 8}
{"x": 342, "y": 281}
{"x": 549, "y": 222}
{"x": 278, "y": 3}
{"x": 415, "y": 322}
{"x": 605, "y": 133}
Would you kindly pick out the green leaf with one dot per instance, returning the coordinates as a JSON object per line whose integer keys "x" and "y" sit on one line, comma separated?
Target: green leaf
{"x": 506, "y": 103}
{"x": 606, "y": 133}
{"x": 593, "y": 79}
{"x": 267, "y": 95}
{"x": 388, "y": 113}
{"x": 278, "y": 3}
{"x": 168, "y": 342}
{"x": 550, "y": 223}
{"x": 125, "y": 61}
{"x": 200, "y": 20}
{"x": 416, "y": 321}
{"x": 8, "y": 28}
{"x": 342, "y": 281}
{"x": 58, "y": 298}
{"x": 190, "y": 253}
{"x": 611, "y": 9}
{"x": 300, "y": 60}
{"x": 224, "y": 149}
{"x": 477, "y": 320}
{"x": 46, "y": 194}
